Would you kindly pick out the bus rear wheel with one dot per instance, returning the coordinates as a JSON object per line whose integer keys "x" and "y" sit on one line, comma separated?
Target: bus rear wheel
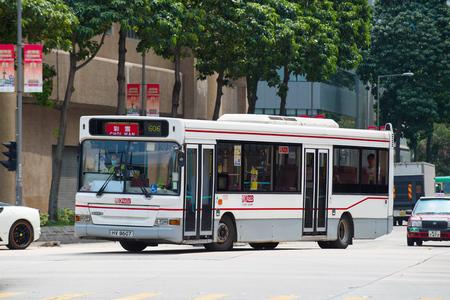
{"x": 133, "y": 246}
{"x": 344, "y": 233}
{"x": 225, "y": 236}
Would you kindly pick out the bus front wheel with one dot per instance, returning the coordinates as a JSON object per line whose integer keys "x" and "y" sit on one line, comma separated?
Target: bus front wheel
{"x": 133, "y": 246}
{"x": 225, "y": 236}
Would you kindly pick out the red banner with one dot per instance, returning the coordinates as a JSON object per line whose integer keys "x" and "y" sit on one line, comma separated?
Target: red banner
{"x": 133, "y": 100}
{"x": 32, "y": 69}
{"x": 7, "y": 68}
{"x": 152, "y": 100}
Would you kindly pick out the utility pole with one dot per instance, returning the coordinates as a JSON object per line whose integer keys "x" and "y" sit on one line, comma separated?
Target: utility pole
{"x": 19, "y": 105}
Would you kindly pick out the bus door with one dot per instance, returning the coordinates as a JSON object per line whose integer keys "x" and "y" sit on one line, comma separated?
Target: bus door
{"x": 315, "y": 199}
{"x": 198, "y": 203}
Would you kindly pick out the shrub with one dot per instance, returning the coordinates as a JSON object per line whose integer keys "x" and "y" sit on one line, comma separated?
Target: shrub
{"x": 64, "y": 216}
{"x": 44, "y": 219}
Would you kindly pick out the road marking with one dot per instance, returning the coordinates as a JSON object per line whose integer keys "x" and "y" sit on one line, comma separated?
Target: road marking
{"x": 211, "y": 297}
{"x": 284, "y": 298}
{"x": 5, "y": 295}
{"x": 139, "y": 296}
{"x": 69, "y": 296}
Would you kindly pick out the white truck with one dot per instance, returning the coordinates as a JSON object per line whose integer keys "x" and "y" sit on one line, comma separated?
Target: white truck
{"x": 412, "y": 180}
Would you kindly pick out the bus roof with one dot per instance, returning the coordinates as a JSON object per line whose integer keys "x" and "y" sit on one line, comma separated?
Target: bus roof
{"x": 268, "y": 119}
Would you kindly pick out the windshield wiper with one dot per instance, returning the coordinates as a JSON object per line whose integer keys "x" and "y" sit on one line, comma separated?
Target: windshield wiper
{"x": 103, "y": 188}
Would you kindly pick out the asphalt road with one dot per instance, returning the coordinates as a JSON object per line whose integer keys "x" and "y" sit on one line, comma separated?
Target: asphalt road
{"x": 385, "y": 268}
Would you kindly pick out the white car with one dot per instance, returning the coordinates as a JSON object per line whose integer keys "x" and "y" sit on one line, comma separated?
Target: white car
{"x": 19, "y": 226}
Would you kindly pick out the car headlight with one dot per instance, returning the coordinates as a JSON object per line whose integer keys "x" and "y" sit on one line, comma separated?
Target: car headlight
{"x": 415, "y": 224}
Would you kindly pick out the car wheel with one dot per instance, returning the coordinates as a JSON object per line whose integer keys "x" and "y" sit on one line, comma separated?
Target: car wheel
{"x": 410, "y": 241}
{"x": 133, "y": 246}
{"x": 20, "y": 235}
{"x": 419, "y": 242}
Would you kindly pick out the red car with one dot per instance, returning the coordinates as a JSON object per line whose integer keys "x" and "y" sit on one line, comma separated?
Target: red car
{"x": 429, "y": 221}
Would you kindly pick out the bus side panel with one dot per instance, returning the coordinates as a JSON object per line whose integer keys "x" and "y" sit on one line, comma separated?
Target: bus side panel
{"x": 369, "y": 215}
{"x": 264, "y": 217}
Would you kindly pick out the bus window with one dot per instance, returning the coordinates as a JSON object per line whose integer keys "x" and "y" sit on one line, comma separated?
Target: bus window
{"x": 345, "y": 170}
{"x": 257, "y": 167}
{"x": 129, "y": 167}
{"x": 229, "y": 166}
{"x": 287, "y": 163}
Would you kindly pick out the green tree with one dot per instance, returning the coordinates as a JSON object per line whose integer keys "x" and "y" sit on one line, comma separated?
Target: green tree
{"x": 258, "y": 29}
{"x": 440, "y": 149}
{"x": 218, "y": 44}
{"x": 410, "y": 36}
{"x": 127, "y": 14}
{"x": 94, "y": 19}
{"x": 43, "y": 21}
{"x": 329, "y": 34}
{"x": 170, "y": 28}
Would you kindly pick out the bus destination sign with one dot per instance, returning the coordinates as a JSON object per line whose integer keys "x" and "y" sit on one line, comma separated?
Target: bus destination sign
{"x": 122, "y": 129}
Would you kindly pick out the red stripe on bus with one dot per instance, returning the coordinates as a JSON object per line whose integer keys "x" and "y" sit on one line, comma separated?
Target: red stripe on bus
{"x": 286, "y": 135}
{"x": 237, "y": 208}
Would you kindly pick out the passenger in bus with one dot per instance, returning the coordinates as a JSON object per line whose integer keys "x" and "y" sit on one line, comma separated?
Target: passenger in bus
{"x": 371, "y": 169}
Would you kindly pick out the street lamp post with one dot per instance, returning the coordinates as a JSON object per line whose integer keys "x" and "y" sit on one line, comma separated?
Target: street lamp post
{"x": 408, "y": 74}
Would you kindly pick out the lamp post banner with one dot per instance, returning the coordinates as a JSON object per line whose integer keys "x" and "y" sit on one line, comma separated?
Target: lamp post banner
{"x": 152, "y": 100}
{"x": 7, "y": 68}
{"x": 133, "y": 99}
{"x": 32, "y": 68}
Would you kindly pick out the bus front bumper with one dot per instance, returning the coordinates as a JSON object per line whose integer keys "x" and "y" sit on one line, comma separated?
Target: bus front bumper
{"x": 154, "y": 234}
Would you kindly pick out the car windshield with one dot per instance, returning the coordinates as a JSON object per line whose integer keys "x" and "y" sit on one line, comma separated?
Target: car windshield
{"x": 432, "y": 206}
{"x": 129, "y": 167}
{"x": 4, "y": 204}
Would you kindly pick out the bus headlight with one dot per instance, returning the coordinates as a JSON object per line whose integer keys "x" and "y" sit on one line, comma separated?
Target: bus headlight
{"x": 83, "y": 218}
{"x": 163, "y": 222}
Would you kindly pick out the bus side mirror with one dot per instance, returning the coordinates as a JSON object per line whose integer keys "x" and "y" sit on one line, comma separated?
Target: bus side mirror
{"x": 181, "y": 159}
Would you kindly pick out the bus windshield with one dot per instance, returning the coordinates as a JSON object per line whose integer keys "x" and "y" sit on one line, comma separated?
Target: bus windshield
{"x": 129, "y": 167}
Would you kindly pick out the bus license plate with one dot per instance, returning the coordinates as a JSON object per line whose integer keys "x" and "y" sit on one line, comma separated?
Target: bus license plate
{"x": 122, "y": 233}
{"x": 402, "y": 213}
{"x": 434, "y": 233}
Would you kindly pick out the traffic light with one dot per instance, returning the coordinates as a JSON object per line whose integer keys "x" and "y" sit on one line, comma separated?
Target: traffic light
{"x": 11, "y": 163}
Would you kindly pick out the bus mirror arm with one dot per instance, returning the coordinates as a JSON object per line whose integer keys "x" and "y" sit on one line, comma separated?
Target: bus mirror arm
{"x": 181, "y": 159}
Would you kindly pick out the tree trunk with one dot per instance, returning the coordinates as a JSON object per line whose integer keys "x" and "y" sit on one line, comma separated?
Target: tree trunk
{"x": 283, "y": 90}
{"x": 121, "y": 94}
{"x": 218, "y": 95}
{"x": 398, "y": 133}
{"x": 429, "y": 148}
{"x": 177, "y": 85}
{"x": 252, "y": 88}
{"x": 58, "y": 158}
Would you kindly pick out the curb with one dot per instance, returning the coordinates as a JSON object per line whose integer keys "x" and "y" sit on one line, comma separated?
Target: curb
{"x": 52, "y": 236}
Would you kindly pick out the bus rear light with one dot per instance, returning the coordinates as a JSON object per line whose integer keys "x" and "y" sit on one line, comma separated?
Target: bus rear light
{"x": 83, "y": 218}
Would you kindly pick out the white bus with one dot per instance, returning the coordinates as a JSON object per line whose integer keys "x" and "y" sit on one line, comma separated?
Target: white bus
{"x": 254, "y": 179}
